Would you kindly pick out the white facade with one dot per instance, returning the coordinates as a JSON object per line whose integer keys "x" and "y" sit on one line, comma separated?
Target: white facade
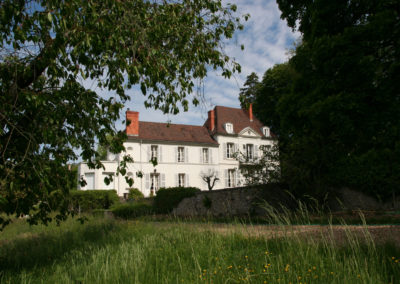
{"x": 178, "y": 163}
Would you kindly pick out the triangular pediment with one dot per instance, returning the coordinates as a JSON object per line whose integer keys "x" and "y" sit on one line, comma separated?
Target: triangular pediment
{"x": 249, "y": 132}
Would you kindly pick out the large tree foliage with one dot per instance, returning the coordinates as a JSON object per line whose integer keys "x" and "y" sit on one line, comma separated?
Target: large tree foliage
{"x": 248, "y": 92}
{"x": 49, "y": 47}
{"x": 339, "y": 121}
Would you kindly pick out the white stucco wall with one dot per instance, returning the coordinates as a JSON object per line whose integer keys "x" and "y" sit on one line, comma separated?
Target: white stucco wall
{"x": 168, "y": 165}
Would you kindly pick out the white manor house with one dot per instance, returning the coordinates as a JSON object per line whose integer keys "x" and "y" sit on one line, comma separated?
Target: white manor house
{"x": 184, "y": 153}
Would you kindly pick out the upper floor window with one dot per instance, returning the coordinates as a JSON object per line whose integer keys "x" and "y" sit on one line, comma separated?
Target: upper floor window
{"x": 205, "y": 155}
{"x": 181, "y": 154}
{"x": 249, "y": 151}
{"x": 230, "y": 150}
{"x": 154, "y": 152}
{"x": 266, "y": 131}
{"x": 229, "y": 127}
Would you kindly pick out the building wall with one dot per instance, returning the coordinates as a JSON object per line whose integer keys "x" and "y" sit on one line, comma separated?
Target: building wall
{"x": 168, "y": 167}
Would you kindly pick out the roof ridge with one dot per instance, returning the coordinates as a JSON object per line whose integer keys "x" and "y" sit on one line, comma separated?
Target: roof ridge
{"x": 166, "y": 123}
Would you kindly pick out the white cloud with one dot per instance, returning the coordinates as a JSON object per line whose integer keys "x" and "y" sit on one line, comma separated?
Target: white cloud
{"x": 266, "y": 38}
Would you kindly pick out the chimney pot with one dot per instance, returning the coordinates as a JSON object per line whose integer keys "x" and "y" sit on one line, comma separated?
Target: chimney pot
{"x": 132, "y": 123}
{"x": 251, "y": 112}
{"x": 211, "y": 120}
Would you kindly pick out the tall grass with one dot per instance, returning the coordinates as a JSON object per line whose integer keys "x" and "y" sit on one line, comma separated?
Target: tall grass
{"x": 112, "y": 251}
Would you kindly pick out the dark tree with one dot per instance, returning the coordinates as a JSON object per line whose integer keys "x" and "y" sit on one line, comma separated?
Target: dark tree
{"x": 248, "y": 92}
{"x": 340, "y": 123}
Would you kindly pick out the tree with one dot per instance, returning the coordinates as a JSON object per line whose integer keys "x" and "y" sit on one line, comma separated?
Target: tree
{"x": 263, "y": 169}
{"x": 210, "y": 177}
{"x": 48, "y": 49}
{"x": 340, "y": 122}
{"x": 248, "y": 92}
{"x": 276, "y": 83}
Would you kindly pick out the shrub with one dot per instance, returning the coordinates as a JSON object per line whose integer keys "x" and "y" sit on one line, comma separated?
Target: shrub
{"x": 168, "y": 198}
{"x": 135, "y": 194}
{"x": 88, "y": 200}
{"x": 132, "y": 210}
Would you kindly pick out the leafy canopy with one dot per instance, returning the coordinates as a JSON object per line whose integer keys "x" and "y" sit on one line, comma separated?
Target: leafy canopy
{"x": 50, "y": 47}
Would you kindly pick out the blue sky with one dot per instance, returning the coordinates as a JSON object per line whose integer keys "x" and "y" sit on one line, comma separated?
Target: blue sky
{"x": 267, "y": 40}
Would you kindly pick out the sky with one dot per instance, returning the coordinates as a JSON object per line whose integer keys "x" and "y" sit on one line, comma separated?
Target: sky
{"x": 267, "y": 40}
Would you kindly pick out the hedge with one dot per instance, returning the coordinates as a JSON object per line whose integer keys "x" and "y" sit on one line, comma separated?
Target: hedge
{"x": 135, "y": 194}
{"x": 88, "y": 200}
{"x": 132, "y": 210}
{"x": 167, "y": 199}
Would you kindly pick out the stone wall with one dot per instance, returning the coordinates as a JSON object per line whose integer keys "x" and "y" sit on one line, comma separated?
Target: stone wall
{"x": 242, "y": 201}
{"x": 250, "y": 201}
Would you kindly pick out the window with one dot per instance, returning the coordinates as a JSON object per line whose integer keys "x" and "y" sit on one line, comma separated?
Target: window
{"x": 181, "y": 154}
{"x": 265, "y": 131}
{"x": 249, "y": 151}
{"x": 181, "y": 180}
{"x": 154, "y": 181}
{"x": 89, "y": 178}
{"x": 229, "y": 127}
{"x": 231, "y": 178}
{"x": 205, "y": 156}
{"x": 229, "y": 150}
{"x": 154, "y": 152}
{"x": 111, "y": 184}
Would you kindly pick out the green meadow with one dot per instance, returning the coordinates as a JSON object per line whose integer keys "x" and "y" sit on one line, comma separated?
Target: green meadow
{"x": 143, "y": 251}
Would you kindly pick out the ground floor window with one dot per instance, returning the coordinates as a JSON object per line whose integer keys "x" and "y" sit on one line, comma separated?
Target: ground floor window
{"x": 181, "y": 180}
{"x": 230, "y": 178}
{"x": 154, "y": 182}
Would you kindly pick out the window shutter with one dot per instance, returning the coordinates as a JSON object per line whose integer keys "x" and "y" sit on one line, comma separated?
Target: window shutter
{"x": 210, "y": 156}
{"x": 159, "y": 158}
{"x": 147, "y": 181}
{"x": 176, "y": 154}
{"x": 201, "y": 155}
{"x": 176, "y": 180}
{"x": 237, "y": 148}
{"x": 224, "y": 149}
{"x": 187, "y": 180}
{"x": 148, "y": 153}
{"x": 237, "y": 178}
{"x": 162, "y": 180}
{"x": 226, "y": 178}
{"x": 186, "y": 158}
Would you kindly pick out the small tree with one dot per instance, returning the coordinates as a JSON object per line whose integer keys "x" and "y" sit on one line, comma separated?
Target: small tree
{"x": 263, "y": 170}
{"x": 210, "y": 177}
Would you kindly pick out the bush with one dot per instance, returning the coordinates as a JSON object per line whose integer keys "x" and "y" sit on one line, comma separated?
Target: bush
{"x": 169, "y": 198}
{"x": 132, "y": 210}
{"x": 88, "y": 200}
{"x": 135, "y": 194}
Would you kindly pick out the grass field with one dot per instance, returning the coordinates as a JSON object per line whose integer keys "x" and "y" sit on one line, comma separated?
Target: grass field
{"x": 113, "y": 251}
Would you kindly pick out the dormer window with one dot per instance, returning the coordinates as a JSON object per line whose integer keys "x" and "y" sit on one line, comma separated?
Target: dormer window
{"x": 229, "y": 127}
{"x": 265, "y": 131}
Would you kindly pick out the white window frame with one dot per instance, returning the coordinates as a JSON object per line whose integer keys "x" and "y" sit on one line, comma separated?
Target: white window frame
{"x": 154, "y": 181}
{"x": 205, "y": 155}
{"x": 181, "y": 155}
{"x": 250, "y": 151}
{"x": 266, "y": 131}
{"x": 229, "y": 127}
{"x": 230, "y": 150}
{"x": 231, "y": 177}
{"x": 181, "y": 180}
{"x": 153, "y": 152}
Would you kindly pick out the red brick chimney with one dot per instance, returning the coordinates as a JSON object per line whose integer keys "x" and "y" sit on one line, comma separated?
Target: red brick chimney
{"x": 132, "y": 123}
{"x": 211, "y": 120}
{"x": 251, "y": 112}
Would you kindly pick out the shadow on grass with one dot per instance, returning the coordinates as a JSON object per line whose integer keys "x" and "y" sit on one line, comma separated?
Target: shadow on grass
{"x": 35, "y": 251}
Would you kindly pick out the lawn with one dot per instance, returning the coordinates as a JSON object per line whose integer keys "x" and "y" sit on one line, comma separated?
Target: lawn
{"x": 115, "y": 251}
